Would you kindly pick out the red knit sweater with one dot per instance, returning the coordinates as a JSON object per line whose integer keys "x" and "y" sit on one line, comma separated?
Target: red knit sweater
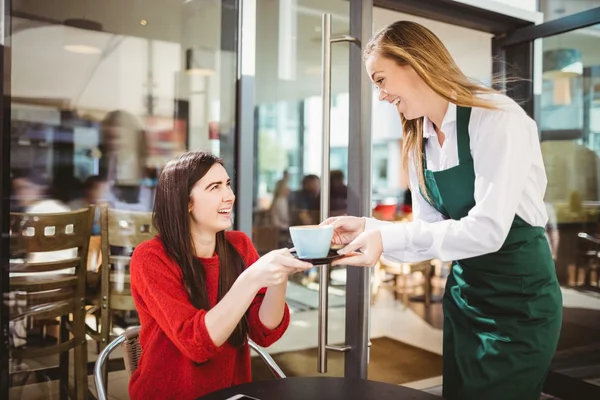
{"x": 179, "y": 359}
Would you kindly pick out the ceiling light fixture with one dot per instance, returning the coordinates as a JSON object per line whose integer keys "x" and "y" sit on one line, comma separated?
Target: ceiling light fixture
{"x": 82, "y": 41}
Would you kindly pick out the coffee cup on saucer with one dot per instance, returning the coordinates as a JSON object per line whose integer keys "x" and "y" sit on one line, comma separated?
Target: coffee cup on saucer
{"x": 311, "y": 241}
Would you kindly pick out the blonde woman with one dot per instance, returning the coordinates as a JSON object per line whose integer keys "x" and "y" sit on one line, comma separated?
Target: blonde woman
{"x": 478, "y": 181}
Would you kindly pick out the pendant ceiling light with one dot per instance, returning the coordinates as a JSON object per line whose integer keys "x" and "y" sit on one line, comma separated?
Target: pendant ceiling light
{"x": 562, "y": 63}
{"x": 85, "y": 39}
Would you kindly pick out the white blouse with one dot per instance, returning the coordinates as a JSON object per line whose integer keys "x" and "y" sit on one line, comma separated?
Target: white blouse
{"x": 509, "y": 179}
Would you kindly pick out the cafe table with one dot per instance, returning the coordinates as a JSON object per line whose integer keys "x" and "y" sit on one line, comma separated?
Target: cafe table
{"x": 319, "y": 388}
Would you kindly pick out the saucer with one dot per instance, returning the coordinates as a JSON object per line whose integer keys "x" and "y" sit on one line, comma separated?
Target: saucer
{"x": 333, "y": 255}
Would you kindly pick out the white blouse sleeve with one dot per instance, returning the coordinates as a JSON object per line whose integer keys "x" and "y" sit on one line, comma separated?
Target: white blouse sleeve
{"x": 502, "y": 149}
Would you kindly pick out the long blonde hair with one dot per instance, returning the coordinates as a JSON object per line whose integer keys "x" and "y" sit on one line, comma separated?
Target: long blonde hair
{"x": 408, "y": 43}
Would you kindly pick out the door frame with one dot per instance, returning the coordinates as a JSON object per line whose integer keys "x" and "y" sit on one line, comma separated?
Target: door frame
{"x": 359, "y": 173}
{"x": 5, "y": 57}
{"x": 484, "y": 16}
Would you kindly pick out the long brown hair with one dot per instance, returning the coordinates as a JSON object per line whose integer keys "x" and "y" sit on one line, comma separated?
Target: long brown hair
{"x": 408, "y": 43}
{"x": 172, "y": 221}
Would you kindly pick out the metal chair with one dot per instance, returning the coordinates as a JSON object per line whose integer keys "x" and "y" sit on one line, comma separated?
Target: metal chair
{"x": 132, "y": 352}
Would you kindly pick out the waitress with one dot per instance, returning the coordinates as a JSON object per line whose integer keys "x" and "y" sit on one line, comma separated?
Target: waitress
{"x": 477, "y": 179}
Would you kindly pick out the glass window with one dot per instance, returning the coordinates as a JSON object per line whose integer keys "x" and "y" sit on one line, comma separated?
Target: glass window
{"x": 554, "y": 9}
{"x": 103, "y": 94}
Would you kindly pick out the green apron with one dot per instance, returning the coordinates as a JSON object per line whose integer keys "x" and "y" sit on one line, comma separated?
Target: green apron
{"x": 503, "y": 310}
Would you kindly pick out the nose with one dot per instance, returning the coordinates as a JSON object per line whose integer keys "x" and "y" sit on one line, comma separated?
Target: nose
{"x": 382, "y": 94}
{"x": 228, "y": 196}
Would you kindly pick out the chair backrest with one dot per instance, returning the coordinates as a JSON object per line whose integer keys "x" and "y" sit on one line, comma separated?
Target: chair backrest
{"x": 124, "y": 229}
{"x": 132, "y": 351}
{"x": 63, "y": 237}
{"x": 49, "y": 252}
{"x": 265, "y": 238}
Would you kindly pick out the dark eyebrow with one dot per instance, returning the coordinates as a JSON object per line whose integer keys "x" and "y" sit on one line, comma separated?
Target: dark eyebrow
{"x": 217, "y": 183}
{"x": 373, "y": 75}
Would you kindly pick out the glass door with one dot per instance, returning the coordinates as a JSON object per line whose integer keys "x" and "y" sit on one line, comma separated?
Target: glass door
{"x": 561, "y": 58}
{"x": 299, "y": 75}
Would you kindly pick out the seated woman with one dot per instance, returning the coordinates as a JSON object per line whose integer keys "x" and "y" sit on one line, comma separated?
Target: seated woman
{"x": 199, "y": 290}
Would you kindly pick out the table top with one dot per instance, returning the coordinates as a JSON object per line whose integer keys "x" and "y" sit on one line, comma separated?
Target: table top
{"x": 321, "y": 388}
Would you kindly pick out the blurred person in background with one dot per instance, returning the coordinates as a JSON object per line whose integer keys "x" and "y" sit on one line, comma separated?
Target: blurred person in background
{"x": 123, "y": 161}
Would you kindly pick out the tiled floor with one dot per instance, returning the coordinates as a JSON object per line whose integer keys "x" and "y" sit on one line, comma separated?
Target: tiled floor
{"x": 388, "y": 318}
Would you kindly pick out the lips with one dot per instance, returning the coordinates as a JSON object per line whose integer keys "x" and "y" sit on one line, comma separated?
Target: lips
{"x": 396, "y": 101}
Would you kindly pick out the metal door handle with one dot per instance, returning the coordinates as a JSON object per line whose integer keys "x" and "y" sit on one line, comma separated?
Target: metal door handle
{"x": 326, "y": 43}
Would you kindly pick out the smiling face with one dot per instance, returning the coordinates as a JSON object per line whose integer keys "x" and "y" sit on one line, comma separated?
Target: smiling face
{"x": 399, "y": 85}
{"x": 211, "y": 201}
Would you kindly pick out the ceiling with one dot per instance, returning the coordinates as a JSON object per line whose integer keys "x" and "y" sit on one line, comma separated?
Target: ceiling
{"x": 138, "y": 59}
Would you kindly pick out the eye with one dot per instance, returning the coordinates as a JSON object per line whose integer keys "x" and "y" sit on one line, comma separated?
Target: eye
{"x": 380, "y": 81}
{"x": 214, "y": 187}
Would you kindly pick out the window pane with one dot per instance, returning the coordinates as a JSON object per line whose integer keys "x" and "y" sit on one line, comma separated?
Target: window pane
{"x": 569, "y": 122}
{"x": 103, "y": 94}
{"x": 554, "y": 9}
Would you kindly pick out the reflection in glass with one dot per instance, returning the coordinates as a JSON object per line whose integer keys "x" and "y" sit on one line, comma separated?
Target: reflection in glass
{"x": 555, "y": 9}
{"x": 103, "y": 95}
{"x": 570, "y": 128}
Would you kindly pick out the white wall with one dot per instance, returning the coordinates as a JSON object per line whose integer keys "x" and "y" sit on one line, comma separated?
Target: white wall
{"x": 529, "y": 5}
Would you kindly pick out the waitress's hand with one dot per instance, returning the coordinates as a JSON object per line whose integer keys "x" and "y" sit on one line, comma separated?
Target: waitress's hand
{"x": 370, "y": 245}
{"x": 345, "y": 229}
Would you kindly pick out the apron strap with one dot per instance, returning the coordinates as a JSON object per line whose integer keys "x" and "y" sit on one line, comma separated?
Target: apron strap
{"x": 463, "y": 114}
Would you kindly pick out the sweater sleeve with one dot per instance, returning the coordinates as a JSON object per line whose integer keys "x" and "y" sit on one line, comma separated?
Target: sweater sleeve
{"x": 156, "y": 283}
{"x": 259, "y": 333}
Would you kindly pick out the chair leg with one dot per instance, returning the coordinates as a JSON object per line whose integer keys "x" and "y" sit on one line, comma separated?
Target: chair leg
{"x": 80, "y": 364}
{"x": 97, "y": 316}
{"x": 105, "y": 338}
{"x": 428, "y": 287}
{"x": 63, "y": 360}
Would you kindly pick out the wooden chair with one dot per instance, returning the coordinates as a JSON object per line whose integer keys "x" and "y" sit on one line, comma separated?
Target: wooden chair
{"x": 402, "y": 271}
{"x": 126, "y": 230}
{"x": 265, "y": 238}
{"x": 132, "y": 352}
{"x": 47, "y": 281}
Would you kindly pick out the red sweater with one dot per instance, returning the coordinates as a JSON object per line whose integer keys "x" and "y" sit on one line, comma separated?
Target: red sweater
{"x": 179, "y": 359}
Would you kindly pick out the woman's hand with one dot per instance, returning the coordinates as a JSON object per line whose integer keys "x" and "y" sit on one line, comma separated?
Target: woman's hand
{"x": 370, "y": 246}
{"x": 273, "y": 268}
{"x": 345, "y": 229}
